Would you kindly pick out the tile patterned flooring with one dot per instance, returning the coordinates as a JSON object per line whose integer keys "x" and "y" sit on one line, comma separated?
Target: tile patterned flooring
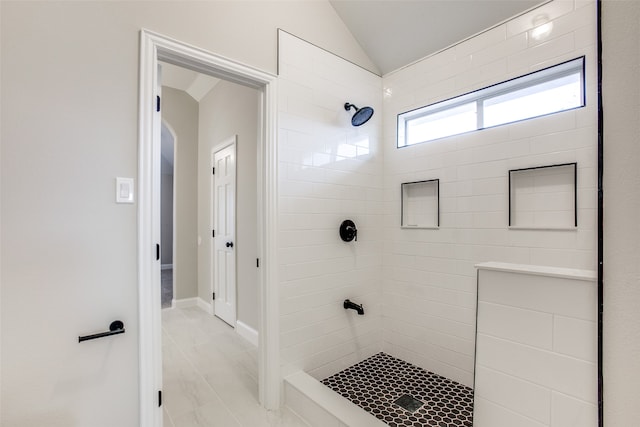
{"x": 210, "y": 375}
{"x": 381, "y": 383}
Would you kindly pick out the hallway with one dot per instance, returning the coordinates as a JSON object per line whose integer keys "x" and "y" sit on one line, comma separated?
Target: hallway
{"x": 210, "y": 375}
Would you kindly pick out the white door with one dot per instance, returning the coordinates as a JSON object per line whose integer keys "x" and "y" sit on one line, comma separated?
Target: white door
{"x": 224, "y": 227}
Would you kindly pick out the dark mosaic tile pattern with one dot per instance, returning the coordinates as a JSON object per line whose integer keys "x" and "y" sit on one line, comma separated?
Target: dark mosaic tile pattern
{"x": 377, "y": 382}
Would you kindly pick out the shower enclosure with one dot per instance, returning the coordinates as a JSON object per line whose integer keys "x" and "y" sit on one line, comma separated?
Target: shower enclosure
{"x": 417, "y": 283}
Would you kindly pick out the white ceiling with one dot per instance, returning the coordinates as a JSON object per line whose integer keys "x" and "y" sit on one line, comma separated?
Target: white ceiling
{"x": 395, "y": 33}
{"x": 197, "y": 85}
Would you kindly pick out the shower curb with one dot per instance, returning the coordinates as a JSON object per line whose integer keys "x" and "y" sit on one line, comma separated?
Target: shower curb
{"x": 320, "y": 406}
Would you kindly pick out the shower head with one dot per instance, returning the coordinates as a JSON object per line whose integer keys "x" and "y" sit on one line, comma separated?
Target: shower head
{"x": 361, "y": 116}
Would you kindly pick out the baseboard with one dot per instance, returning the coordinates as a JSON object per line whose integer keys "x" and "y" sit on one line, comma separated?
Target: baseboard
{"x": 206, "y": 306}
{"x": 184, "y": 302}
{"x": 247, "y": 332}
{"x": 166, "y": 267}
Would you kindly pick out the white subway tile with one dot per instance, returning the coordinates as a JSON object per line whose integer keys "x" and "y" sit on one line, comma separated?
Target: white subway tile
{"x": 523, "y": 397}
{"x": 551, "y": 10}
{"x": 585, "y": 36}
{"x": 484, "y": 75}
{"x": 495, "y": 219}
{"x": 575, "y": 337}
{"x": 572, "y": 139}
{"x": 553, "y": 123}
{"x": 396, "y": 315}
{"x": 489, "y": 169}
{"x": 585, "y": 3}
{"x": 433, "y": 352}
{"x": 516, "y": 324}
{"x": 481, "y": 41}
{"x": 488, "y": 414}
{"x": 429, "y": 63}
{"x": 580, "y": 259}
{"x": 547, "y": 369}
{"x": 536, "y": 56}
{"x": 499, "y": 51}
{"x": 487, "y": 253}
{"x": 572, "y": 22}
{"x": 307, "y": 409}
{"x": 431, "y": 337}
{"x": 567, "y": 297}
{"x": 437, "y": 91}
{"x": 554, "y": 239}
{"x": 567, "y": 411}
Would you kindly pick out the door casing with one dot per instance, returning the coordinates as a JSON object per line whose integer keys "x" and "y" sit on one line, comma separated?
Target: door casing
{"x": 155, "y": 47}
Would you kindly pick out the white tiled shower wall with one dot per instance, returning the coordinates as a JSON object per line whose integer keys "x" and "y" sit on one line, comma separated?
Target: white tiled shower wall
{"x": 537, "y": 347}
{"x": 418, "y": 286}
{"x": 329, "y": 171}
{"x": 429, "y": 288}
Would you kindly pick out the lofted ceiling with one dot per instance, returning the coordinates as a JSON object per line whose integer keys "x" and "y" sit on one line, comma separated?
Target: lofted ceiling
{"x": 395, "y": 33}
{"x": 196, "y": 84}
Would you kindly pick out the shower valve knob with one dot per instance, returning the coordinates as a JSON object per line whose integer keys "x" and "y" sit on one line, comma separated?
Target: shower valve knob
{"x": 348, "y": 231}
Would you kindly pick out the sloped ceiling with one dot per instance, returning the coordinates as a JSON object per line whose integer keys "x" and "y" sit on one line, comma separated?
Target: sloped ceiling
{"x": 395, "y": 33}
{"x": 197, "y": 85}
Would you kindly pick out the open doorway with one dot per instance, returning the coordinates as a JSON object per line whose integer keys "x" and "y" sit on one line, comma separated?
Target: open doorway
{"x": 167, "y": 161}
{"x": 155, "y": 48}
{"x": 213, "y": 223}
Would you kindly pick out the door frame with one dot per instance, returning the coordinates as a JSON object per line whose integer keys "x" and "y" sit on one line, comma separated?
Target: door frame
{"x": 154, "y": 47}
{"x": 232, "y": 141}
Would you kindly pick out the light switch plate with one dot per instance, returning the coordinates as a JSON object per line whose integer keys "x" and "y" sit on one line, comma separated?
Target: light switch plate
{"x": 124, "y": 190}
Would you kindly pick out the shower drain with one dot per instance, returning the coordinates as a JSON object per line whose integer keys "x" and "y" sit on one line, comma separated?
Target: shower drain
{"x": 408, "y": 402}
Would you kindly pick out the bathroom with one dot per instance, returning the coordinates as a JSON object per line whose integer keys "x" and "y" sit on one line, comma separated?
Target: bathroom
{"x": 418, "y": 286}
{"x": 71, "y": 256}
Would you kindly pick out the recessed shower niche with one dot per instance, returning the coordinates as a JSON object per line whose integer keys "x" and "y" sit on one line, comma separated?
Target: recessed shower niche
{"x": 420, "y": 204}
{"x": 543, "y": 197}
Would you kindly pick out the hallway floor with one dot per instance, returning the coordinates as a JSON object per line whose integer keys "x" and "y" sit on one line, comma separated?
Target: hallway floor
{"x": 210, "y": 375}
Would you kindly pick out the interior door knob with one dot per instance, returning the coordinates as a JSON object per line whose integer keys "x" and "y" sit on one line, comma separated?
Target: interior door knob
{"x": 229, "y": 244}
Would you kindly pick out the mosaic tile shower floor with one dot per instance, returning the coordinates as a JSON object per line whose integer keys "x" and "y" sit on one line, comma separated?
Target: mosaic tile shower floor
{"x": 381, "y": 383}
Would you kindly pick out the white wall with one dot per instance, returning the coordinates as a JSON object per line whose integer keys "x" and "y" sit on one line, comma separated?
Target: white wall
{"x": 328, "y": 171}
{"x": 180, "y": 111}
{"x": 621, "y": 104}
{"x": 69, "y": 126}
{"x": 230, "y": 109}
{"x": 166, "y": 212}
{"x": 429, "y": 279}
